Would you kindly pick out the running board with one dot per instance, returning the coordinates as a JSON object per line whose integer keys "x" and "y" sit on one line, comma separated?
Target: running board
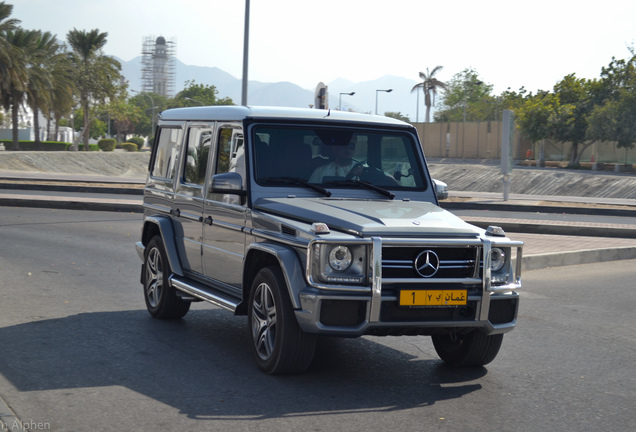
{"x": 199, "y": 293}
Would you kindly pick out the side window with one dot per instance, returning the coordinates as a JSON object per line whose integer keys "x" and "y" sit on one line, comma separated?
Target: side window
{"x": 224, "y": 151}
{"x": 167, "y": 153}
{"x": 197, "y": 152}
{"x": 237, "y": 162}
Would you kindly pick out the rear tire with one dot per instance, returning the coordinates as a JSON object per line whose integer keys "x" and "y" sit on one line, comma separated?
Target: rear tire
{"x": 161, "y": 299}
{"x": 470, "y": 349}
{"x": 278, "y": 343}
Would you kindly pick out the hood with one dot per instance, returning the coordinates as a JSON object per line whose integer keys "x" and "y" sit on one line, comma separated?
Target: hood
{"x": 371, "y": 217}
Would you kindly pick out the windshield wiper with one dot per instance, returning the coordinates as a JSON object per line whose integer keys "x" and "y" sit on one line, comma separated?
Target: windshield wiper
{"x": 368, "y": 185}
{"x": 297, "y": 180}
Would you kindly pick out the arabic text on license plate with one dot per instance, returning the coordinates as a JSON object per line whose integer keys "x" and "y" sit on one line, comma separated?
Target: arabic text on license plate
{"x": 432, "y": 297}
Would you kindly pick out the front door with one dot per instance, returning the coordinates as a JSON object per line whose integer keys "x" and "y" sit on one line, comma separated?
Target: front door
{"x": 224, "y": 215}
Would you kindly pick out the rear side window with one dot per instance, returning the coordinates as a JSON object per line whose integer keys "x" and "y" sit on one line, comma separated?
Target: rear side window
{"x": 166, "y": 153}
{"x": 198, "y": 151}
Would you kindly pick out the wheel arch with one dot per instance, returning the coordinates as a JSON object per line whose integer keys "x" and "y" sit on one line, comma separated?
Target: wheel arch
{"x": 262, "y": 255}
{"x": 162, "y": 226}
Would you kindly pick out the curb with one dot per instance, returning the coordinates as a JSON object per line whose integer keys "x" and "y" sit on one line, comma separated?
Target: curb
{"x": 560, "y": 259}
{"x": 73, "y": 204}
{"x": 529, "y": 208}
{"x": 569, "y": 230}
{"x": 124, "y": 190}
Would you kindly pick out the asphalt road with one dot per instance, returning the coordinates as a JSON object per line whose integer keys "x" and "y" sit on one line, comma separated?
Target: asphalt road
{"x": 79, "y": 352}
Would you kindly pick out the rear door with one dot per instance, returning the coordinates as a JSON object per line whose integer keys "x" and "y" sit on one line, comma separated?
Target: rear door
{"x": 188, "y": 201}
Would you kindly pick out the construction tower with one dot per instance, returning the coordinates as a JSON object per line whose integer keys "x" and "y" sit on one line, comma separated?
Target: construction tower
{"x": 158, "y": 66}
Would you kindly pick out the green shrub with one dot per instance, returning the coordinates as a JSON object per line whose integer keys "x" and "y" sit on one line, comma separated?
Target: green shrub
{"x": 30, "y": 145}
{"x": 129, "y": 146}
{"x": 80, "y": 147}
{"x": 107, "y": 144}
{"x": 137, "y": 140}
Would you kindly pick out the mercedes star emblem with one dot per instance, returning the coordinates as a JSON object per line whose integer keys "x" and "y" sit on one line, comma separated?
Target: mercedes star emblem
{"x": 427, "y": 263}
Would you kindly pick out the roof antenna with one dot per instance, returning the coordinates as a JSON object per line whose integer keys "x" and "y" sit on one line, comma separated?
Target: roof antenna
{"x": 328, "y": 113}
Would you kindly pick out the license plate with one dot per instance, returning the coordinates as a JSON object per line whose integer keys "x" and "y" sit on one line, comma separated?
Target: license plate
{"x": 433, "y": 297}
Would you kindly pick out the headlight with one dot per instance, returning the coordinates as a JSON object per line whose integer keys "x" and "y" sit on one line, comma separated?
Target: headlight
{"x": 340, "y": 258}
{"x": 344, "y": 263}
{"x": 497, "y": 259}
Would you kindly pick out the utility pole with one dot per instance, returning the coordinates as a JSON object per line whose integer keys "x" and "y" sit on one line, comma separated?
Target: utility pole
{"x": 246, "y": 44}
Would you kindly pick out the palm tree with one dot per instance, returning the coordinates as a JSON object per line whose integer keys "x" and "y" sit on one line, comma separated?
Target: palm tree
{"x": 42, "y": 54}
{"x": 22, "y": 42}
{"x": 62, "y": 94}
{"x": 429, "y": 86}
{"x": 9, "y": 68}
{"x": 96, "y": 75}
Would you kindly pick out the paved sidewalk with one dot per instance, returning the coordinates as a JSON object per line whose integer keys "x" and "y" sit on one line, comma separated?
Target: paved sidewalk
{"x": 546, "y": 243}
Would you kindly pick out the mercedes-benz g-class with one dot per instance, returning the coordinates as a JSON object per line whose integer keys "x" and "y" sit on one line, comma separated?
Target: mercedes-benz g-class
{"x": 318, "y": 222}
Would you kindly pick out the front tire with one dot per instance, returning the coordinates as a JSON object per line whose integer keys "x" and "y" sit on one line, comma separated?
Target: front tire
{"x": 278, "y": 343}
{"x": 470, "y": 349}
{"x": 161, "y": 299}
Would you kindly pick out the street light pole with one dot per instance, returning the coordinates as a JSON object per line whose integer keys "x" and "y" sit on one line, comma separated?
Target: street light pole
{"x": 340, "y": 99}
{"x": 246, "y": 44}
{"x": 376, "y": 98}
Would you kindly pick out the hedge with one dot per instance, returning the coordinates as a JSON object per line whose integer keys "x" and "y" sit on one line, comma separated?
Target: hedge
{"x": 129, "y": 146}
{"x": 46, "y": 146}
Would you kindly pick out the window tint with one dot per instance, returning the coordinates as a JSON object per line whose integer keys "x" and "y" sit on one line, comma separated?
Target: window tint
{"x": 337, "y": 157}
{"x": 166, "y": 153}
{"x": 197, "y": 152}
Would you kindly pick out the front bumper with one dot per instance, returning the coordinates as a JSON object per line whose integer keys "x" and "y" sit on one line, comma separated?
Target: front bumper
{"x": 375, "y": 309}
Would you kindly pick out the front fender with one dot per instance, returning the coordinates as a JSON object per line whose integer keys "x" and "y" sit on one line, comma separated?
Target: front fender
{"x": 290, "y": 265}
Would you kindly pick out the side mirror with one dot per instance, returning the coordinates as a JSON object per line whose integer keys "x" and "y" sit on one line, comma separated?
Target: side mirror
{"x": 227, "y": 183}
{"x": 441, "y": 189}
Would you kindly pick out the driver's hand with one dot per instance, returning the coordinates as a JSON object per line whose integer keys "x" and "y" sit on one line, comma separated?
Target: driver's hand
{"x": 356, "y": 171}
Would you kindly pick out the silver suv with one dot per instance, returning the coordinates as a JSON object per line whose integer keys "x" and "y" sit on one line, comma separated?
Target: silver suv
{"x": 316, "y": 222}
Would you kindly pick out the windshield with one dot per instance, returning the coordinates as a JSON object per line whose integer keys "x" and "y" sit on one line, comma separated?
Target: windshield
{"x": 339, "y": 157}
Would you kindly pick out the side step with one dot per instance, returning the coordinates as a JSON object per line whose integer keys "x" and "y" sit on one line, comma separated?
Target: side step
{"x": 196, "y": 291}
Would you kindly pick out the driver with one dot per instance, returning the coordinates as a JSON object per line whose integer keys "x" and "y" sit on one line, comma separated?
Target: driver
{"x": 341, "y": 165}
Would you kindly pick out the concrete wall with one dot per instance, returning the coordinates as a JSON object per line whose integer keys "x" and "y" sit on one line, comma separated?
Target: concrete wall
{"x": 470, "y": 140}
{"x": 23, "y": 134}
{"x": 482, "y": 140}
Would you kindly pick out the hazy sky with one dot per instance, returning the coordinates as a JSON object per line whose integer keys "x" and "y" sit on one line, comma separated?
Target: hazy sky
{"x": 509, "y": 43}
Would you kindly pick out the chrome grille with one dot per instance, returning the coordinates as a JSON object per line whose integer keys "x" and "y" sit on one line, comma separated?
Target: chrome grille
{"x": 454, "y": 262}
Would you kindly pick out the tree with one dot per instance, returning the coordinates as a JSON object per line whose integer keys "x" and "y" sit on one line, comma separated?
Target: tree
{"x": 97, "y": 76}
{"x": 124, "y": 115}
{"x": 533, "y": 118}
{"x": 613, "y": 118}
{"x": 63, "y": 91}
{"x": 198, "y": 94}
{"x": 465, "y": 98}
{"x": 568, "y": 121}
{"x": 429, "y": 86}
{"x": 41, "y": 57}
{"x": 145, "y": 102}
{"x": 397, "y": 115}
{"x": 22, "y": 42}
{"x": 11, "y": 68}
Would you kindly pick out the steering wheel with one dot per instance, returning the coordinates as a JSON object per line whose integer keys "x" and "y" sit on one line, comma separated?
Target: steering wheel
{"x": 371, "y": 174}
{"x": 357, "y": 170}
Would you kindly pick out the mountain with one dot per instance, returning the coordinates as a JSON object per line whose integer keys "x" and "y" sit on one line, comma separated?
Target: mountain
{"x": 400, "y": 99}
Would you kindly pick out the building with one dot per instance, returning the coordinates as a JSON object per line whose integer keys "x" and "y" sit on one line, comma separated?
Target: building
{"x": 158, "y": 66}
